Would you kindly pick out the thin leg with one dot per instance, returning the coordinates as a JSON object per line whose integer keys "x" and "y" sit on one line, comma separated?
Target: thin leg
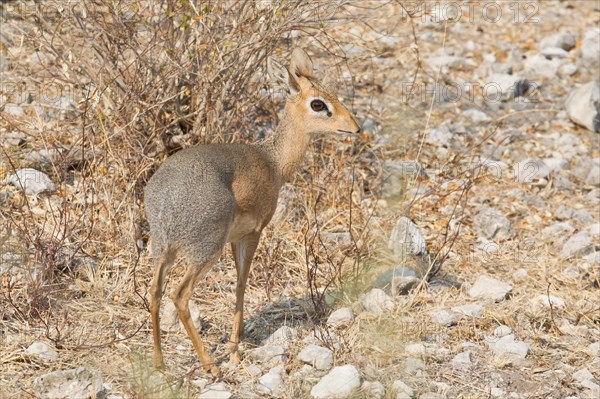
{"x": 181, "y": 298}
{"x": 156, "y": 292}
{"x": 243, "y": 253}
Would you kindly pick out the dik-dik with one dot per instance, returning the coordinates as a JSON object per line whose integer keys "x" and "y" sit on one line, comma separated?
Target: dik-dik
{"x": 206, "y": 196}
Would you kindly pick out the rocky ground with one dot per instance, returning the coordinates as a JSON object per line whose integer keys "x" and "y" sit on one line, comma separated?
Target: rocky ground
{"x": 483, "y": 281}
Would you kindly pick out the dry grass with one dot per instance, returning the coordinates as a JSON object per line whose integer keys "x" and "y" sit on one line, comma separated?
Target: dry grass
{"x": 150, "y": 80}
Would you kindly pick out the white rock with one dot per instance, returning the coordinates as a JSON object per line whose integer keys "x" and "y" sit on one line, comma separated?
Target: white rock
{"x": 520, "y": 274}
{"x": 444, "y": 317}
{"x": 170, "y": 319}
{"x": 32, "y": 181}
{"x": 68, "y": 384}
{"x": 373, "y": 389}
{"x": 492, "y": 224}
{"x": 340, "y": 316}
{"x": 42, "y": 350}
{"x": 476, "y": 115}
{"x": 340, "y": 382}
{"x": 407, "y": 239}
{"x": 539, "y": 65}
{"x": 412, "y": 365}
{"x": 531, "y": 170}
{"x": 13, "y": 109}
{"x": 563, "y": 40}
{"x": 583, "y": 375}
{"x": 593, "y": 350}
{"x": 503, "y": 86}
{"x": 568, "y": 69}
{"x": 554, "y": 52}
{"x": 583, "y": 106}
{"x": 317, "y": 356}
{"x": 272, "y": 382}
{"x": 487, "y": 287}
{"x": 577, "y": 245}
{"x": 507, "y": 346}
{"x": 462, "y": 360}
{"x": 284, "y": 336}
{"x": 270, "y": 354}
{"x": 545, "y": 301}
{"x": 432, "y": 395}
{"x": 377, "y": 302}
{"x": 218, "y": 390}
{"x": 502, "y": 331}
{"x": 593, "y": 229}
{"x": 473, "y": 309}
{"x": 399, "y": 387}
{"x": 590, "y": 47}
{"x": 415, "y": 349}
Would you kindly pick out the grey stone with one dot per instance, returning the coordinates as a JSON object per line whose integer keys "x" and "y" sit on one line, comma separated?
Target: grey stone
{"x": 397, "y": 281}
{"x": 42, "y": 350}
{"x": 462, "y": 360}
{"x": 439, "y": 136}
{"x": 377, "y": 302}
{"x": 317, "y": 356}
{"x": 563, "y": 40}
{"x": 340, "y": 382}
{"x": 373, "y": 389}
{"x": 476, "y": 115}
{"x": 284, "y": 336}
{"x": 412, "y": 365}
{"x": 473, "y": 309}
{"x": 271, "y": 383}
{"x": 588, "y": 170}
{"x": 593, "y": 350}
{"x": 487, "y": 287}
{"x": 341, "y": 316}
{"x": 407, "y": 239}
{"x": 507, "y": 86}
{"x": 560, "y": 228}
{"x": 399, "y": 387}
{"x": 80, "y": 383}
{"x": 583, "y": 106}
{"x": 531, "y": 170}
{"x": 593, "y": 229}
{"x": 217, "y": 390}
{"x": 32, "y": 181}
{"x": 444, "y": 317}
{"x": 579, "y": 244}
{"x": 492, "y": 224}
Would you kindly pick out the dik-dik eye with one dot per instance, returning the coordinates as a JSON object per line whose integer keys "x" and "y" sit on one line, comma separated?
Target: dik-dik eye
{"x": 318, "y": 105}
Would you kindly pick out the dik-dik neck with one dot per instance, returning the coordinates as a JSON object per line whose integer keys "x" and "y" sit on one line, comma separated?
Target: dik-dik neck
{"x": 288, "y": 145}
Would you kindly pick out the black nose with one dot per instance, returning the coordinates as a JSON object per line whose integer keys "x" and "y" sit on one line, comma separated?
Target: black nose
{"x": 358, "y": 130}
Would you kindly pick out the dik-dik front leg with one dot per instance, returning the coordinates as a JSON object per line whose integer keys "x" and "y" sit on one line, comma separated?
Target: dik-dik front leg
{"x": 243, "y": 252}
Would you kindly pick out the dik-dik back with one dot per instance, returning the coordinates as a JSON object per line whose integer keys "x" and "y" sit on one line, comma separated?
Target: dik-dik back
{"x": 207, "y": 196}
{"x": 198, "y": 194}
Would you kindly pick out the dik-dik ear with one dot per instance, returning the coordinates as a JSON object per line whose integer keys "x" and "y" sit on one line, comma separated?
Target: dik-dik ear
{"x": 301, "y": 64}
{"x": 282, "y": 79}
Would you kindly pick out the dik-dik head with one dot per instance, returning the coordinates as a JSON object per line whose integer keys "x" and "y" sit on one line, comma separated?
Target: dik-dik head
{"x": 310, "y": 104}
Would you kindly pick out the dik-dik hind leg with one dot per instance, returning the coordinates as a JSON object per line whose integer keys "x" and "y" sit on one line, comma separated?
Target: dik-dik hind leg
{"x": 243, "y": 253}
{"x": 181, "y": 298}
{"x": 156, "y": 292}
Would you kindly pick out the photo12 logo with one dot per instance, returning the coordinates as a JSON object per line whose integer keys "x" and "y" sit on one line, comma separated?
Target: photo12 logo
{"x": 518, "y": 12}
